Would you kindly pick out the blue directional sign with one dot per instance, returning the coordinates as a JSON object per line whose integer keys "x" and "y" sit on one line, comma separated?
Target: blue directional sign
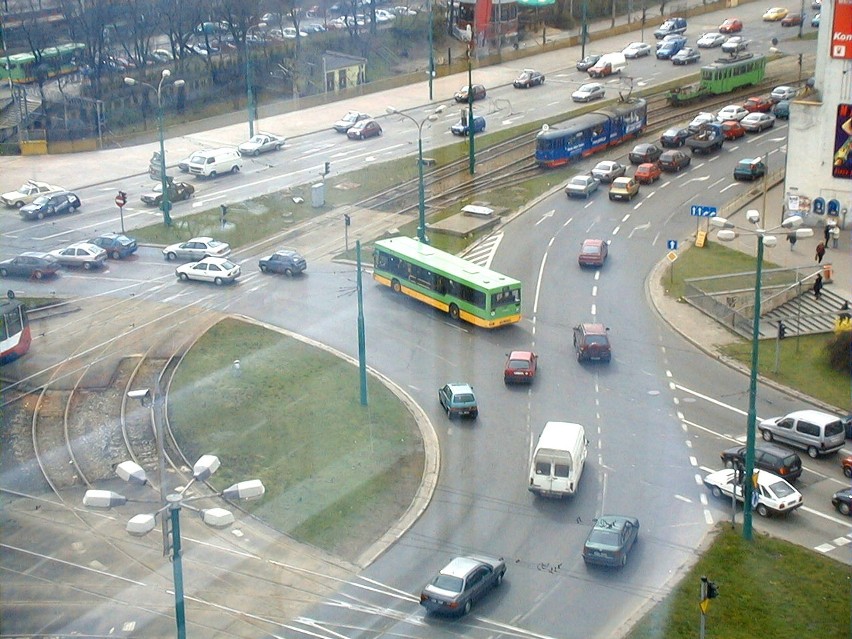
{"x": 671, "y": 245}
{"x": 702, "y": 211}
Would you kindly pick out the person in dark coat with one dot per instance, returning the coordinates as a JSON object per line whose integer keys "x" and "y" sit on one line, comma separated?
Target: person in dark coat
{"x": 820, "y": 252}
{"x": 826, "y": 234}
{"x": 818, "y": 286}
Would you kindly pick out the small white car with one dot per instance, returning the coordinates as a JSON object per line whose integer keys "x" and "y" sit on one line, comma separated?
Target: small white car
{"x": 261, "y": 143}
{"x": 731, "y": 112}
{"x": 783, "y": 93}
{"x": 757, "y": 122}
{"x": 735, "y": 44}
{"x": 28, "y": 192}
{"x": 588, "y": 92}
{"x": 775, "y": 496}
{"x": 84, "y": 254}
{"x": 196, "y": 249}
{"x": 608, "y": 170}
{"x": 702, "y": 118}
{"x": 711, "y": 40}
{"x": 218, "y": 270}
{"x": 636, "y": 50}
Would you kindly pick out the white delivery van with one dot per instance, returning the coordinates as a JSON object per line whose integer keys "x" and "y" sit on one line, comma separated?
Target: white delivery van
{"x": 609, "y": 64}
{"x": 215, "y": 162}
{"x": 558, "y": 459}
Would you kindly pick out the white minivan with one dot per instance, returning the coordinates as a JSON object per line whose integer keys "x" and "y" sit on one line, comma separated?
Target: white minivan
{"x": 558, "y": 460}
{"x": 215, "y": 162}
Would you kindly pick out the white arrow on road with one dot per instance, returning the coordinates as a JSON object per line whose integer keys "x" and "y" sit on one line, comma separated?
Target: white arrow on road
{"x": 641, "y": 227}
{"x": 545, "y": 216}
{"x": 701, "y": 179}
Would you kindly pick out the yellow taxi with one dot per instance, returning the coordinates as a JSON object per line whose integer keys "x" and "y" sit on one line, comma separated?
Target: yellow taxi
{"x": 775, "y": 14}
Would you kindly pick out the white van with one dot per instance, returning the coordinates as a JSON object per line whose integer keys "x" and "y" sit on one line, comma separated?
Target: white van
{"x": 609, "y": 64}
{"x": 558, "y": 459}
{"x": 215, "y": 162}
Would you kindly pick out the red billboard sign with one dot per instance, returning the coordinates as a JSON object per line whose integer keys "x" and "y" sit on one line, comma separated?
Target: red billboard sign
{"x": 841, "y": 30}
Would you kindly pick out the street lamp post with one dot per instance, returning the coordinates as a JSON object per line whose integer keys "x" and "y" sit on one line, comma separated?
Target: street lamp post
{"x": 252, "y": 114}
{"x": 165, "y": 204}
{"x": 470, "y": 127}
{"x": 170, "y": 508}
{"x": 421, "y": 222}
{"x": 727, "y": 233}
{"x": 431, "y": 53}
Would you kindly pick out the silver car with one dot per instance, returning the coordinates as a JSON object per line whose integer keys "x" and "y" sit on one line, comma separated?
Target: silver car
{"x": 582, "y": 186}
{"x": 757, "y": 122}
{"x": 197, "y": 249}
{"x": 83, "y": 254}
{"x": 588, "y": 92}
{"x": 608, "y": 170}
{"x": 817, "y": 432}
{"x": 261, "y": 143}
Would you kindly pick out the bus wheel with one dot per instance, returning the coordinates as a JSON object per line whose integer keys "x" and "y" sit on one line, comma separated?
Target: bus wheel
{"x": 454, "y": 311}
{"x": 396, "y": 287}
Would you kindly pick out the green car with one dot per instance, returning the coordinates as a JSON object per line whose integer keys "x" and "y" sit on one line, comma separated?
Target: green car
{"x": 458, "y": 400}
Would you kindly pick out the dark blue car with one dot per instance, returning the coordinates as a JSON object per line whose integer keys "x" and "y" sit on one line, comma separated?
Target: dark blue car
{"x": 461, "y": 128}
{"x": 116, "y": 245}
{"x": 670, "y": 46}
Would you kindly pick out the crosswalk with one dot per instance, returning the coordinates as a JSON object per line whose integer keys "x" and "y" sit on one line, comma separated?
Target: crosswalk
{"x": 482, "y": 253}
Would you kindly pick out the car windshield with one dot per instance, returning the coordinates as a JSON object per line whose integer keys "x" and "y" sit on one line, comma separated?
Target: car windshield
{"x": 591, "y": 250}
{"x": 597, "y": 340}
{"x": 448, "y": 583}
{"x": 604, "y": 537}
{"x": 228, "y": 265}
{"x": 782, "y": 489}
{"x": 463, "y": 398}
{"x": 519, "y": 364}
{"x": 42, "y": 199}
{"x": 215, "y": 243}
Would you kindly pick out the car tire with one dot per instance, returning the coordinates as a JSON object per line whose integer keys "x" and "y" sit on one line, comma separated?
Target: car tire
{"x": 846, "y": 471}
{"x": 255, "y": 153}
{"x": 264, "y": 268}
{"x": 729, "y": 463}
{"x": 843, "y": 509}
{"x": 396, "y": 287}
{"x": 813, "y": 453}
{"x": 288, "y": 272}
{"x": 235, "y": 169}
{"x": 115, "y": 255}
{"x": 762, "y": 510}
{"x": 171, "y": 256}
{"x": 474, "y": 414}
{"x": 500, "y": 578}
{"x": 87, "y": 266}
{"x": 218, "y": 281}
{"x": 212, "y": 174}
{"x": 466, "y": 608}
{"x": 767, "y": 436}
{"x": 623, "y": 560}
{"x": 717, "y": 492}
{"x": 19, "y": 205}
{"x": 3, "y": 272}
{"x": 183, "y": 277}
{"x": 40, "y": 215}
{"x": 454, "y": 311}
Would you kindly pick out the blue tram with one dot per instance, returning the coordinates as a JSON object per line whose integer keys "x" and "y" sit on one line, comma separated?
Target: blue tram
{"x": 590, "y": 133}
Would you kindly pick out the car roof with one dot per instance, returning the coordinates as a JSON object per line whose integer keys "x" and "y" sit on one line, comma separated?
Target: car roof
{"x": 214, "y": 260}
{"x": 814, "y": 416}
{"x": 85, "y": 245}
{"x": 622, "y": 180}
{"x": 592, "y": 242}
{"x": 521, "y": 355}
{"x": 200, "y": 238}
{"x": 460, "y": 567}
{"x": 612, "y": 522}
{"x": 38, "y": 254}
{"x": 594, "y": 328}
{"x": 460, "y": 387}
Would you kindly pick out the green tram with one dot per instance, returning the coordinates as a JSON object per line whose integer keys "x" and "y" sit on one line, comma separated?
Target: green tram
{"x": 722, "y": 76}
{"x": 449, "y": 283}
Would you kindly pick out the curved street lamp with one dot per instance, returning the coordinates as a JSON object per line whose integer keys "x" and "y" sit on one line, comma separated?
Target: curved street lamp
{"x": 421, "y": 223}
{"x": 165, "y": 204}
{"x": 252, "y": 111}
{"x": 729, "y": 232}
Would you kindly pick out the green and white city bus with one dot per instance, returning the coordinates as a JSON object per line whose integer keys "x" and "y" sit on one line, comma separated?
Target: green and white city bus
{"x": 460, "y": 288}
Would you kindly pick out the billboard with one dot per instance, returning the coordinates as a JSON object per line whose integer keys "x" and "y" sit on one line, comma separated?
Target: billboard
{"x": 841, "y": 30}
{"x": 841, "y": 166}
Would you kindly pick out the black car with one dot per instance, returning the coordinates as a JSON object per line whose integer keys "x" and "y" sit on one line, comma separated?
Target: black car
{"x": 588, "y": 62}
{"x": 674, "y": 138}
{"x": 30, "y": 264}
{"x": 610, "y": 540}
{"x": 643, "y": 153}
{"x": 284, "y": 261}
{"x": 117, "y": 246}
{"x": 528, "y": 78}
{"x": 842, "y": 500}
{"x": 461, "y": 583}
{"x": 777, "y": 460}
{"x": 674, "y": 161}
{"x": 178, "y": 191}
{"x": 847, "y": 425}
{"x": 478, "y": 93}
{"x": 54, "y": 204}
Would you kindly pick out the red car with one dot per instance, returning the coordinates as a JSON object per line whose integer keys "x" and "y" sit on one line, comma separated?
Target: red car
{"x": 732, "y": 130}
{"x": 593, "y": 253}
{"x": 520, "y": 367}
{"x": 731, "y": 25}
{"x": 792, "y": 20}
{"x": 762, "y": 105}
{"x": 364, "y": 129}
{"x": 648, "y": 172}
{"x": 846, "y": 462}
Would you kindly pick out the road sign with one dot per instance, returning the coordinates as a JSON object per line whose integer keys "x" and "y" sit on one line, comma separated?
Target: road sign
{"x": 120, "y": 199}
{"x": 671, "y": 245}
{"x": 671, "y": 255}
{"x": 697, "y": 210}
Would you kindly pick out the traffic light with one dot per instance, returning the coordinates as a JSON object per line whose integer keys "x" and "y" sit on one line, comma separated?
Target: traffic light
{"x": 223, "y": 214}
{"x": 327, "y": 168}
{"x": 346, "y": 219}
{"x": 712, "y": 590}
{"x": 782, "y": 330}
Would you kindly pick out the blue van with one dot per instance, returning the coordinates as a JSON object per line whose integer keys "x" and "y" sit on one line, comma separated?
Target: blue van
{"x": 672, "y": 25}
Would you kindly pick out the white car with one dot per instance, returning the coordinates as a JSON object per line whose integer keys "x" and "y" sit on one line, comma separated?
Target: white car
{"x": 28, "y": 192}
{"x": 735, "y": 44}
{"x": 383, "y": 15}
{"x": 774, "y": 495}
{"x": 636, "y": 50}
{"x": 404, "y": 11}
{"x": 261, "y": 143}
{"x": 83, "y": 254}
{"x": 196, "y": 249}
{"x": 783, "y": 93}
{"x": 711, "y": 40}
{"x": 588, "y": 92}
{"x": 183, "y": 165}
{"x": 702, "y": 118}
{"x": 757, "y": 122}
{"x": 731, "y": 112}
{"x": 211, "y": 269}
{"x": 289, "y": 33}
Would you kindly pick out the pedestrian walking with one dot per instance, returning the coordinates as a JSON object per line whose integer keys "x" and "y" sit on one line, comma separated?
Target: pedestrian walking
{"x": 818, "y": 286}
{"x": 826, "y": 233}
{"x": 835, "y": 236}
{"x": 791, "y": 238}
{"x": 820, "y": 252}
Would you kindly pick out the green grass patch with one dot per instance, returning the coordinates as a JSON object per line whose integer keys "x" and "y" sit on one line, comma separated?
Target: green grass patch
{"x": 715, "y": 259}
{"x": 803, "y": 365}
{"x": 292, "y": 417}
{"x": 767, "y": 588}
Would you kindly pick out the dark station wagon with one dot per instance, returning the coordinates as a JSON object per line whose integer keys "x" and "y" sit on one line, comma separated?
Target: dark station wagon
{"x": 777, "y": 460}
{"x": 285, "y": 261}
{"x": 591, "y": 341}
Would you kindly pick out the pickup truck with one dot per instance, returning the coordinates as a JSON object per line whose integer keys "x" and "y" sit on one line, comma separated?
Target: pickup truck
{"x": 708, "y": 139}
